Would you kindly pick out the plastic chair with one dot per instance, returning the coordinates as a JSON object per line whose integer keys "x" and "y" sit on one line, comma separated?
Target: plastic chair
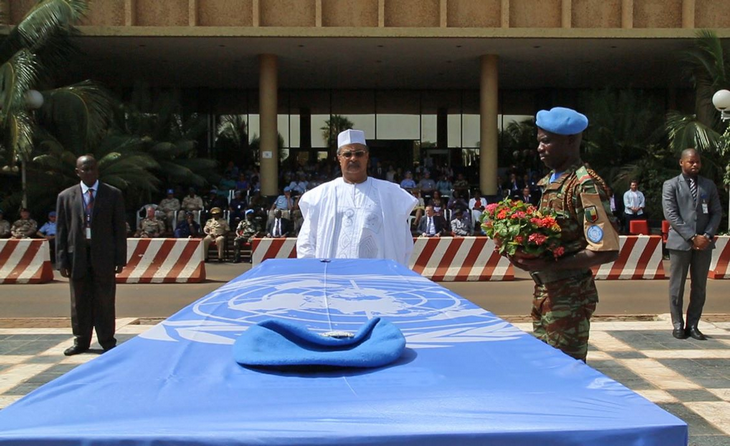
{"x": 639, "y": 227}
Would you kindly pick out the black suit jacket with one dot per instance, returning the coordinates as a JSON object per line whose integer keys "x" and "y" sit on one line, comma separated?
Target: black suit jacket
{"x": 285, "y": 227}
{"x": 108, "y": 231}
{"x": 438, "y": 222}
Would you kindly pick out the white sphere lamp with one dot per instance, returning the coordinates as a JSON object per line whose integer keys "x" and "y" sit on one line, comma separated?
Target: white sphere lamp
{"x": 33, "y": 99}
{"x": 721, "y": 101}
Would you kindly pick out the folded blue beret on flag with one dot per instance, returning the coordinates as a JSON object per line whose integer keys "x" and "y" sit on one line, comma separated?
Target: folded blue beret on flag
{"x": 278, "y": 343}
{"x": 561, "y": 121}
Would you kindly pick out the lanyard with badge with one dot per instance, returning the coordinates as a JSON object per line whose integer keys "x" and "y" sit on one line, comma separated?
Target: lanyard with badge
{"x": 705, "y": 208}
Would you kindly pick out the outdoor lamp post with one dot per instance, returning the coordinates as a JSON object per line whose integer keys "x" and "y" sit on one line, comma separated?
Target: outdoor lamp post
{"x": 721, "y": 101}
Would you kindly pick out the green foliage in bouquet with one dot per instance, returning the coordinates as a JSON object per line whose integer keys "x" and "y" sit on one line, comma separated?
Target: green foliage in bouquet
{"x": 519, "y": 228}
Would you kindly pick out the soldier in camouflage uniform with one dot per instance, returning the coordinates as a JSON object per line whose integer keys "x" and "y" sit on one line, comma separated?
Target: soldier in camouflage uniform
{"x": 25, "y": 227}
{"x": 150, "y": 227}
{"x": 4, "y": 226}
{"x": 216, "y": 229}
{"x": 565, "y": 293}
{"x": 169, "y": 206}
{"x": 247, "y": 229}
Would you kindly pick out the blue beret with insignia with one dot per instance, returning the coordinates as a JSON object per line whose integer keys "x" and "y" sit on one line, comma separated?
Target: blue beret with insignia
{"x": 561, "y": 121}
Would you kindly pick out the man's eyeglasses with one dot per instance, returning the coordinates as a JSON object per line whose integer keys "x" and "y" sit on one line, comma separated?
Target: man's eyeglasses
{"x": 356, "y": 154}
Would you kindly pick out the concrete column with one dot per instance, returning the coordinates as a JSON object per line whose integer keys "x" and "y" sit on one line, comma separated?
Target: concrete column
{"x": 504, "y": 14}
{"x": 567, "y": 14}
{"x": 627, "y": 13}
{"x": 192, "y": 12}
{"x": 688, "y": 14}
{"x": 269, "y": 150}
{"x": 443, "y": 14}
{"x": 488, "y": 94}
{"x": 130, "y": 12}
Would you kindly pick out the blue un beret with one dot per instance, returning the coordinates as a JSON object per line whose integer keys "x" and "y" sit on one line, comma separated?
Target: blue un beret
{"x": 561, "y": 121}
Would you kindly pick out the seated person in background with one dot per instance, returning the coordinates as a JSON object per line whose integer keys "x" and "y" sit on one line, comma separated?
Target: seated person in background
{"x": 247, "y": 229}
{"x": 408, "y": 182}
{"x": 150, "y": 226}
{"x": 420, "y": 206}
{"x": 477, "y": 206}
{"x": 169, "y": 205}
{"x": 48, "y": 232}
{"x": 461, "y": 185}
{"x": 431, "y": 225}
{"x": 215, "y": 230}
{"x": 283, "y": 203}
{"x": 279, "y": 226}
{"x": 214, "y": 200}
{"x": 257, "y": 202}
{"x": 461, "y": 223}
{"x": 242, "y": 182}
{"x": 4, "y": 226}
{"x": 236, "y": 208}
{"x": 188, "y": 228}
{"x": 427, "y": 185}
{"x": 438, "y": 203}
{"x": 26, "y": 227}
{"x": 527, "y": 196}
{"x": 192, "y": 203}
{"x": 301, "y": 186}
{"x": 456, "y": 202}
{"x": 444, "y": 186}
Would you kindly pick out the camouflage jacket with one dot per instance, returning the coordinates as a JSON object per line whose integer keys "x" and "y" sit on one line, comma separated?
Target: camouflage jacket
{"x": 151, "y": 227}
{"x": 169, "y": 204}
{"x": 24, "y": 228}
{"x": 247, "y": 229}
{"x": 4, "y": 228}
{"x": 587, "y": 221}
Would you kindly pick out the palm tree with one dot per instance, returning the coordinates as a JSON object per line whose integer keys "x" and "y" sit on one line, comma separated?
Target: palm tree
{"x": 39, "y": 46}
{"x": 333, "y": 126}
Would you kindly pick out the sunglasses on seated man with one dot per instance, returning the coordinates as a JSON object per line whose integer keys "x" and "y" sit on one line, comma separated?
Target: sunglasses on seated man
{"x": 356, "y": 154}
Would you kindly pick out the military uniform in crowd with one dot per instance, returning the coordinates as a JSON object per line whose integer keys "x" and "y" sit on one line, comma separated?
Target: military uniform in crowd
{"x": 193, "y": 203}
{"x": 169, "y": 206}
{"x": 215, "y": 230}
{"x": 151, "y": 228}
{"x": 245, "y": 231}
{"x": 4, "y": 227}
{"x": 564, "y": 300}
{"x": 24, "y": 228}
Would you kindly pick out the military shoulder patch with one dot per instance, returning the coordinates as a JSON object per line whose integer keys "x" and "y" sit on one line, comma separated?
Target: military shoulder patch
{"x": 594, "y": 234}
{"x": 591, "y": 214}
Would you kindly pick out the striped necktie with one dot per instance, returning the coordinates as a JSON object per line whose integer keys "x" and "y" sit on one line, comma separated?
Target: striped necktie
{"x": 89, "y": 207}
{"x": 693, "y": 188}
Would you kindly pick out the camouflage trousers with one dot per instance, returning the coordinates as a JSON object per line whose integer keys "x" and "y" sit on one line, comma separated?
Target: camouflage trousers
{"x": 561, "y": 313}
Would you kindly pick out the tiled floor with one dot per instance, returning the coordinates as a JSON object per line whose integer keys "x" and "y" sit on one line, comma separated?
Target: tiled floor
{"x": 688, "y": 378}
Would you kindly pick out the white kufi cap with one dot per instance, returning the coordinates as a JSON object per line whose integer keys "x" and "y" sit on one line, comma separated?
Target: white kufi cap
{"x": 351, "y": 137}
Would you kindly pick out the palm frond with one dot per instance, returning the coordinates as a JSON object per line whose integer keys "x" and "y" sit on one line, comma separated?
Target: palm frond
{"x": 47, "y": 17}
{"x": 78, "y": 115}
{"x": 686, "y": 131}
{"x": 19, "y": 129}
{"x": 17, "y": 76}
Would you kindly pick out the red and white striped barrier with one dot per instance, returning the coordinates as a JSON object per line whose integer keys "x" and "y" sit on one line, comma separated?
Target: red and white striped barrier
{"x": 445, "y": 259}
{"x": 720, "y": 265}
{"x": 459, "y": 259}
{"x": 25, "y": 261}
{"x": 163, "y": 260}
{"x": 273, "y": 248}
{"x": 639, "y": 257}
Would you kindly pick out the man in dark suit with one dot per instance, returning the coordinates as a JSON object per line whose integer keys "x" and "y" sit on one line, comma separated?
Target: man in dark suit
{"x": 91, "y": 247}
{"x": 278, "y": 227}
{"x": 431, "y": 224}
{"x": 692, "y": 207}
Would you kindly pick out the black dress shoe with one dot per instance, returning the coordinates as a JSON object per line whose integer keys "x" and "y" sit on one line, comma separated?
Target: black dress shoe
{"x": 75, "y": 350}
{"x": 106, "y": 349}
{"x": 679, "y": 333}
{"x": 695, "y": 333}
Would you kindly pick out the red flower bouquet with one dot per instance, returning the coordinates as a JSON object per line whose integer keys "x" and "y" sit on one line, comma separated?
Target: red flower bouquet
{"x": 520, "y": 229}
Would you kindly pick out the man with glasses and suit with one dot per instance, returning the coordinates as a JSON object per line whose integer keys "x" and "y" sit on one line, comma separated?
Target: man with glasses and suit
{"x": 356, "y": 216}
{"x": 692, "y": 207}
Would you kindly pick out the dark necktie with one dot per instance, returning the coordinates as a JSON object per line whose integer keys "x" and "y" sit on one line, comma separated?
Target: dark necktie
{"x": 693, "y": 189}
{"x": 89, "y": 207}
{"x": 277, "y": 230}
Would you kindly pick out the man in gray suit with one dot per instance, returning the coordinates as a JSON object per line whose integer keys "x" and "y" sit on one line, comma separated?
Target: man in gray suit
{"x": 91, "y": 247}
{"x": 692, "y": 206}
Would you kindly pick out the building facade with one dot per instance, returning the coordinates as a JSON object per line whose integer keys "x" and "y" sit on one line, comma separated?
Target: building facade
{"x": 423, "y": 78}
